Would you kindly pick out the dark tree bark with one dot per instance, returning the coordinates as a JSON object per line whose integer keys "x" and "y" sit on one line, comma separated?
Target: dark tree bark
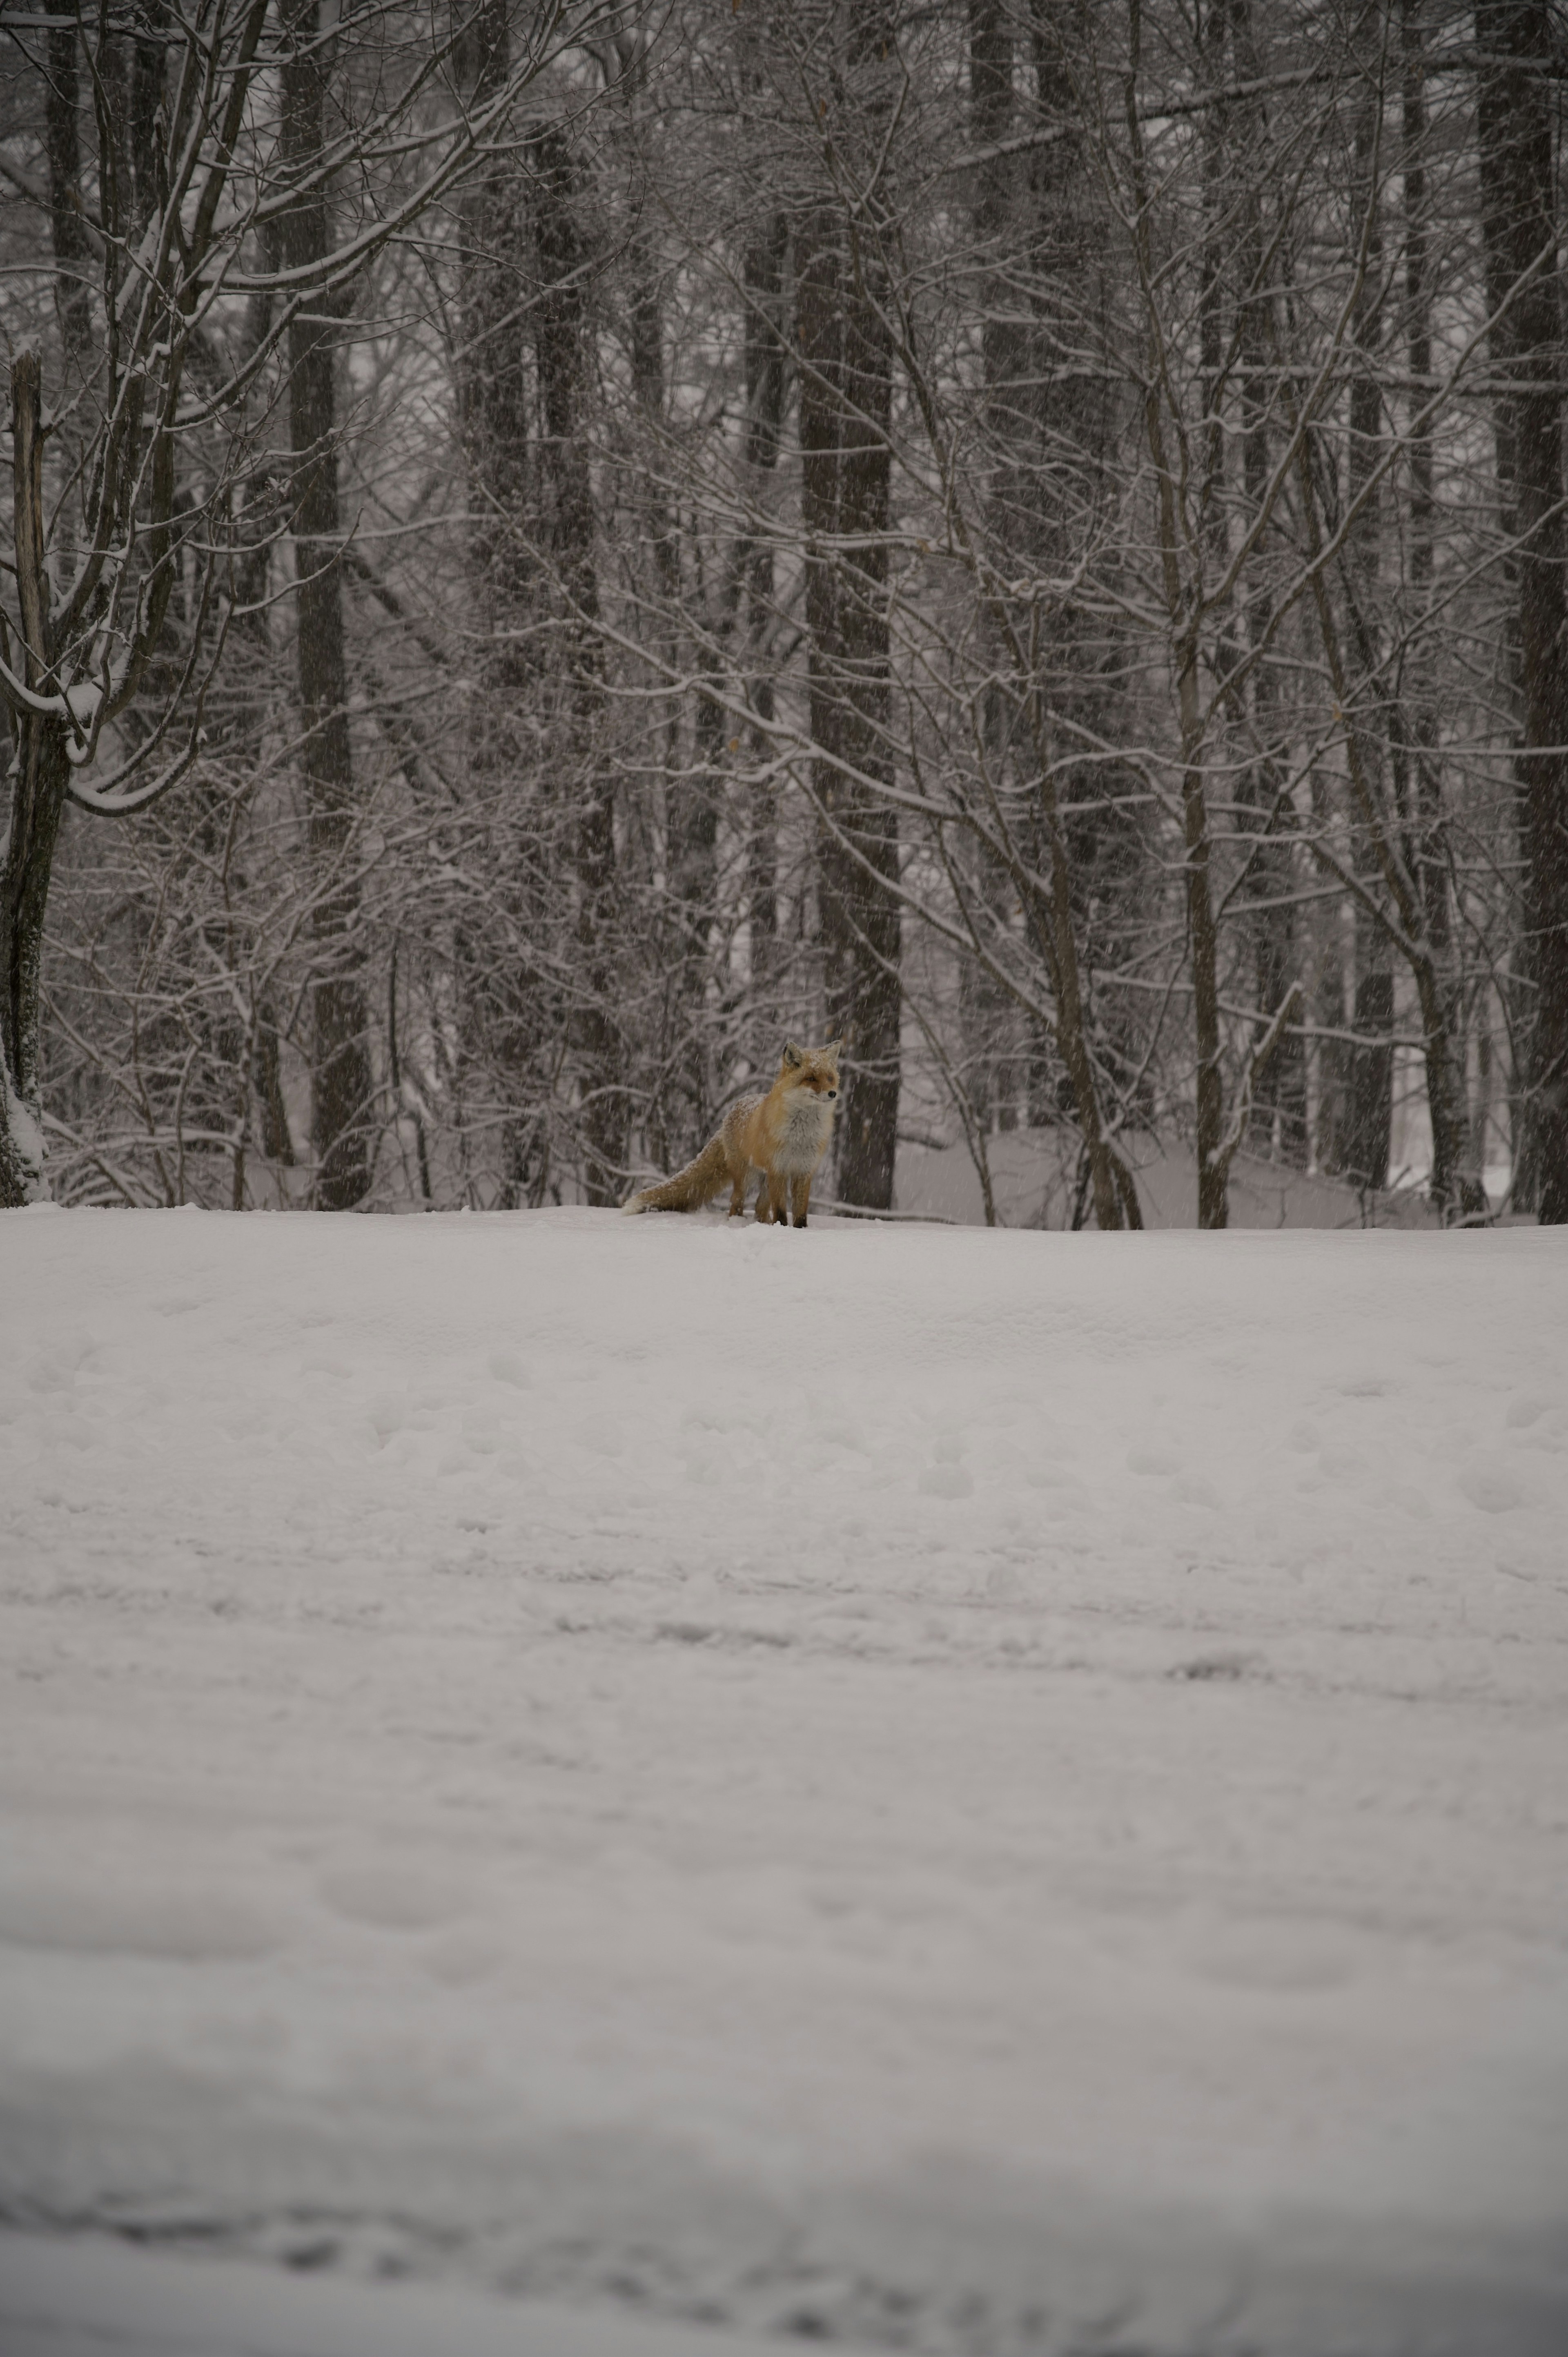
{"x": 1365, "y": 1125}
{"x": 492, "y": 377}
{"x": 845, "y": 394}
{"x": 508, "y": 1011}
{"x": 1515, "y": 37}
{"x": 563, "y": 259}
{"x": 37, "y": 797}
{"x": 1279, "y": 1097}
{"x": 147, "y": 69}
{"x": 1367, "y": 1133}
{"x": 845, "y": 402}
{"x": 1418, "y": 777}
{"x": 1011, "y": 424}
{"x": 40, "y": 767}
{"x": 1064, "y": 427}
{"x": 1003, "y": 337}
{"x": 762, "y": 275}
{"x": 342, "y": 1082}
{"x": 72, "y": 248}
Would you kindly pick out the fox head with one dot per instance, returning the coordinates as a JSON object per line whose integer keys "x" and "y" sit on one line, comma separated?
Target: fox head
{"x": 816, "y": 1069}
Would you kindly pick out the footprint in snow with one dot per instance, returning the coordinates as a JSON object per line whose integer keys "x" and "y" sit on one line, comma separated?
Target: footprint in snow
{"x": 187, "y": 1926}
{"x": 389, "y": 1413}
{"x": 1216, "y": 1668}
{"x": 947, "y": 1477}
{"x": 392, "y": 1899}
{"x": 1494, "y": 1486}
{"x": 1285, "y": 1959}
{"x": 57, "y": 1368}
{"x": 457, "y": 1959}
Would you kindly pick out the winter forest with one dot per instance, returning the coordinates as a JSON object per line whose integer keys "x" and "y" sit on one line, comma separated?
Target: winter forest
{"x": 551, "y": 547}
{"x": 662, "y": 1788}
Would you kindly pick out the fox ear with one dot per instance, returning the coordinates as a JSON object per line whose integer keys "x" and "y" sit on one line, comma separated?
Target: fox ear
{"x": 792, "y": 1056}
{"x": 834, "y": 1047}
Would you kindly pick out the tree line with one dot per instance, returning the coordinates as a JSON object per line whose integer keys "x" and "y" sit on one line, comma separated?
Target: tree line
{"x": 553, "y": 545}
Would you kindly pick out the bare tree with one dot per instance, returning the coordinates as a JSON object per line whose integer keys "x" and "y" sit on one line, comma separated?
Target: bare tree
{"x": 1515, "y": 41}
{"x": 1032, "y": 536}
{"x": 160, "y": 365}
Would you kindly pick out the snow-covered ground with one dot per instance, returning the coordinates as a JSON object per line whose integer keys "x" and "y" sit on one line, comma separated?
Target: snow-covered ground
{"x": 1000, "y": 1792}
{"x": 66, "y": 2296}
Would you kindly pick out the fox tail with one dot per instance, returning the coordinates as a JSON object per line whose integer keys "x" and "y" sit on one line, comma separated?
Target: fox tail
{"x": 689, "y": 1189}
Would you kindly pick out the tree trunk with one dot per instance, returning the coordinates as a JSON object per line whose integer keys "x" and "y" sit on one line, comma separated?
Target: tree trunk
{"x": 1366, "y": 1126}
{"x": 147, "y": 75}
{"x": 1370, "y": 1108}
{"x": 845, "y": 402}
{"x": 37, "y": 797}
{"x": 985, "y": 1015}
{"x": 1520, "y": 220}
{"x": 40, "y": 766}
{"x": 1280, "y": 1097}
{"x": 562, "y": 360}
{"x": 1213, "y": 1169}
{"x": 72, "y": 251}
{"x": 1183, "y": 615}
{"x": 341, "y": 1080}
{"x": 1417, "y": 713}
{"x": 1406, "y": 928}
{"x": 845, "y": 385}
{"x": 502, "y": 1034}
{"x": 1002, "y": 339}
{"x": 763, "y": 269}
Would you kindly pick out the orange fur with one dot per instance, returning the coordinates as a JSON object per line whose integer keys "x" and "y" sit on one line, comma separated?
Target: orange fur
{"x": 783, "y": 1135}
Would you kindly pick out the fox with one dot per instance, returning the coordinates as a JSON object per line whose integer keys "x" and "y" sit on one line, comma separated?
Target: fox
{"x": 783, "y": 1135}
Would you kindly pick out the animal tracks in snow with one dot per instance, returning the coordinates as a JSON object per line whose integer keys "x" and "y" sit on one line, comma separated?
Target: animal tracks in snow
{"x": 393, "y": 1896}
{"x": 1088, "y": 1707}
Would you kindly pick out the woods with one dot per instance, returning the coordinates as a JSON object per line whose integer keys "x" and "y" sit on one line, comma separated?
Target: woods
{"x": 550, "y": 548}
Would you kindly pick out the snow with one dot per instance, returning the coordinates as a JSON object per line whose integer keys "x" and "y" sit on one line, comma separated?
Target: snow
{"x": 993, "y": 1791}
{"x": 68, "y": 2299}
{"x": 83, "y": 703}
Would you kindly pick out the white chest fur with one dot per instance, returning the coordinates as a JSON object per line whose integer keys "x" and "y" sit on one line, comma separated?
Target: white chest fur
{"x": 807, "y": 1125}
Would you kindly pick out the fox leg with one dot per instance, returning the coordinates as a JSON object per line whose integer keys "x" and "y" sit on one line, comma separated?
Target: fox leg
{"x": 777, "y": 1209}
{"x": 800, "y": 1193}
{"x": 738, "y": 1195}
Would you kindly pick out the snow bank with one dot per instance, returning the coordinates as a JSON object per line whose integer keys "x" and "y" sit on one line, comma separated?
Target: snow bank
{"x": 989, "y": 1790}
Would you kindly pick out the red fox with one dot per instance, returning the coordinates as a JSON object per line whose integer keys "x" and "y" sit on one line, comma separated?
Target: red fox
{"x": 784, "y": 1134}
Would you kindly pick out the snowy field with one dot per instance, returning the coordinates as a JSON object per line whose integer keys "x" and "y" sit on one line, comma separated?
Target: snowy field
{"x": 996, "y": 1792}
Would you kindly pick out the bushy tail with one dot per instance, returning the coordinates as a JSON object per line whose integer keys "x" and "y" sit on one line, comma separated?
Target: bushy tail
{"x": 689, "y": 1189}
